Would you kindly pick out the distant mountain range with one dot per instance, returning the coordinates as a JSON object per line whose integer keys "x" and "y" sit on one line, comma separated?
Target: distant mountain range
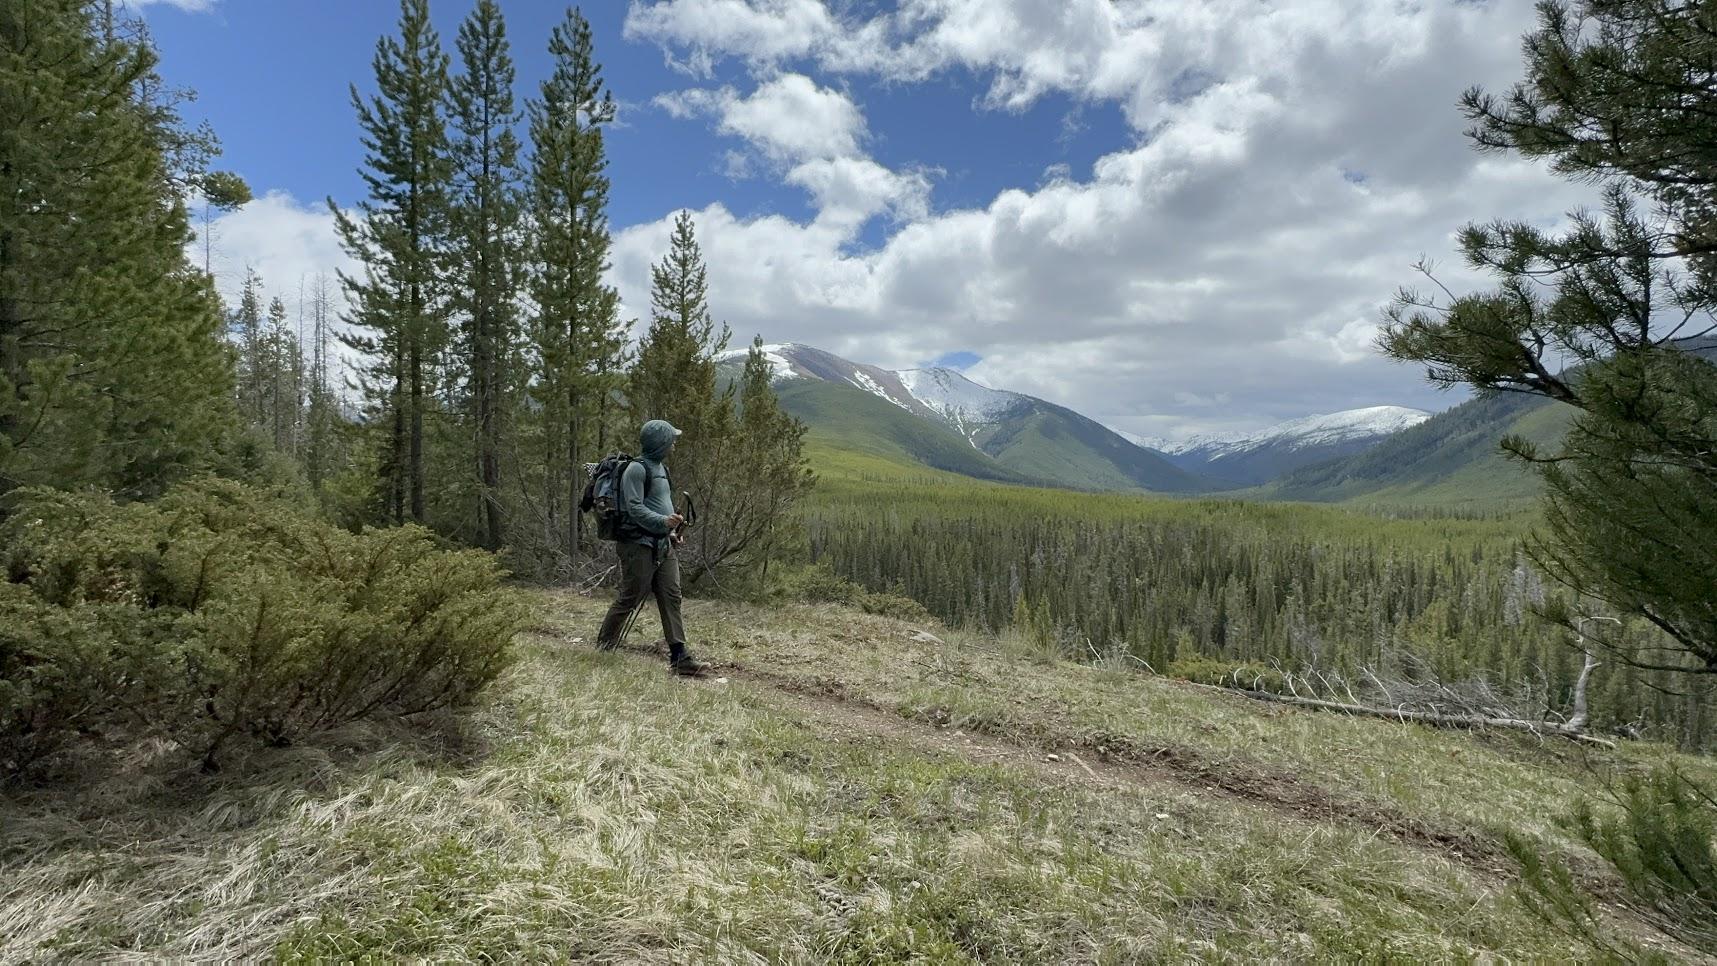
{"x": 1384, "y": 455}
{"x": 1254, "y": 458}
{"x": 941, "y": 418}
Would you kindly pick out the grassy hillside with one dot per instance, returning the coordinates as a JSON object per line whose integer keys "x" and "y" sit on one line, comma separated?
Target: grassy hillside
{"x": 1055, "y": 444}
{"x": 848, "y": 418}
{"x": 843, "y": 791}
{"x": 1451, "y": 460}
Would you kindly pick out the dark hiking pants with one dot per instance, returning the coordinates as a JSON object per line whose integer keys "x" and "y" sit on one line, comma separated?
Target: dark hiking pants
{"x": 642, "y": 575}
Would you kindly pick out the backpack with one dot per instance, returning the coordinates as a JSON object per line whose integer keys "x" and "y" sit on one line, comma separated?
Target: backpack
{"x": 602, "y": 495}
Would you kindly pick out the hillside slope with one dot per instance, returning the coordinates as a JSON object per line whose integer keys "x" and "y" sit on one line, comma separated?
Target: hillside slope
{"x": 844, "y": 417}
{"x": 1452, "y": 459}
{"x": 845, "y": 789}
{"x": 1062, "y": 448}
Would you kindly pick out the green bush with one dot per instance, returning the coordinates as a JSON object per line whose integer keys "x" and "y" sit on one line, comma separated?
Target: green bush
{"x": 1228, "y": 674}
{"x": 217, "y": 612}
{"x": 1661, "y": 840}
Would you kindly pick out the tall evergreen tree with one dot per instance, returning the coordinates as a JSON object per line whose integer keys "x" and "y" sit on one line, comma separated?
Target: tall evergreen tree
{"x": 761, "y": 475}
{"x": 400, "y": 237}
{"x": 675, "y": 374}
{"x": 674, "y": 377}
{"x": 283, "y": 362}
{"x": 1609, "y": 315}
{"x": 576, "y": 335}
{"x": 487, "y": 245}
{"x": 112, "y": 367}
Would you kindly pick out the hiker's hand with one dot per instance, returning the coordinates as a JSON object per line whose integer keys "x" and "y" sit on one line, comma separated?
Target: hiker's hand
{"x": 675, "y": 521}
{"x": 679, "y": 539}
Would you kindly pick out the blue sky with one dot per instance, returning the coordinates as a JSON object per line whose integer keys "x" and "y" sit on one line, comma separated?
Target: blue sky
{"x": 1178, "y": 216}
{"x": 273, "y": 79}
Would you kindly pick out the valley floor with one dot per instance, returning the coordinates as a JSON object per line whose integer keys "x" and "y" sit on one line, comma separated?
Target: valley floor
{"x": 842, "y": 787}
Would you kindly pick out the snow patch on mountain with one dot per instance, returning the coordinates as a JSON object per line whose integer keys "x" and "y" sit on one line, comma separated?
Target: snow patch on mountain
{"x": 1308, "y": 431}
{"x": 863, "y": 380}
{"x": 954, "y": 396}
{"x": 1333, "y": 428}
{"x": 776, "y": 355}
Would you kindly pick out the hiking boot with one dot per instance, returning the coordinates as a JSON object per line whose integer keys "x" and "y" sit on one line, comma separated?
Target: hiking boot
{"x": 607, "y": 645}
{"x": 686, "y": 666}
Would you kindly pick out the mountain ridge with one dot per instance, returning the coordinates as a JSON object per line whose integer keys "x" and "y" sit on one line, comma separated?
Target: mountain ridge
{"x": 1027, "y": 438}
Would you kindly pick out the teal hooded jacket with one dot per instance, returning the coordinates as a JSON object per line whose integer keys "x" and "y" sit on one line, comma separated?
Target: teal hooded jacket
{"x": 645, "y": 487}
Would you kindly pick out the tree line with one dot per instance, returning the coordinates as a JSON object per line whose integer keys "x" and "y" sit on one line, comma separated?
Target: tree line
{"x": 1298, "y": 588}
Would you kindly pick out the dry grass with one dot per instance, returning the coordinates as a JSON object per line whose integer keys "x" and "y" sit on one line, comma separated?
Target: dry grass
{"x": 599, "y": 809}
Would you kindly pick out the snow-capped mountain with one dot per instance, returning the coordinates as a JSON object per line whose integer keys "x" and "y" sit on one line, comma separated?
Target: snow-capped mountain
{"x": 1252, "y": 458}
{"x": 945, "y": 395}
{"x": 1041, "y": 440}
{"x": 952, "y": 422}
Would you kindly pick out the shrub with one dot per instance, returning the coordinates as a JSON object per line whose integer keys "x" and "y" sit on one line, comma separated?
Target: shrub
{"x": 1661, "y": 841}
{"x": 216, "y": 612}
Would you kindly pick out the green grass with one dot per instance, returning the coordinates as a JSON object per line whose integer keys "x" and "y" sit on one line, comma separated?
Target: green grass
{"x": 597, "y": 808}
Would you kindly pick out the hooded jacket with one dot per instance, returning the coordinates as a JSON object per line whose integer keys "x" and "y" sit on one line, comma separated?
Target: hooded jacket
{"x": 645, "y": 487}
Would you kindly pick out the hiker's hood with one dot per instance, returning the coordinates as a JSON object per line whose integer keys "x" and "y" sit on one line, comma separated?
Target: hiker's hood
{"x": 656, "y": 438}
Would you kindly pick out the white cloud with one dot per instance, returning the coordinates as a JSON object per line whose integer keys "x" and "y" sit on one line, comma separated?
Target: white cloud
{"x": 813, "y": 137}
{"x": 1225, "y": 271}
{"x": 283, "y": 240}
{"x": 850, "y": 191}
{"x": 788, "y": 118}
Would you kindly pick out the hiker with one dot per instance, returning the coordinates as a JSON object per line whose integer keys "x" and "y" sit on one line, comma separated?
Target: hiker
{"x": 649, "y": 532}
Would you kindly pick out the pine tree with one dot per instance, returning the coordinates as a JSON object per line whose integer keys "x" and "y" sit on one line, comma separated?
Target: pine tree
{"x": 283, "y": 373}
{"x": 1604, "y": 316}
{"x": 112, "y": 367}
{"x": 674, "y": 377}
{"x": 399, "y": 236}
{"x": 758, "y": 476}
{"x": 577, "y": 339}
{"x": 487, "y": 255}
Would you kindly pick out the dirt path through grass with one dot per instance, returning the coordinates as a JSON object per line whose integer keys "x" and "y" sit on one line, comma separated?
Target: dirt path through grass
{"x": 831, "y": 701}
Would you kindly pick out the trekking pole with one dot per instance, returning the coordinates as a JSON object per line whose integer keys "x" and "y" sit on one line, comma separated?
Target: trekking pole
{"x": 626, "y": 628}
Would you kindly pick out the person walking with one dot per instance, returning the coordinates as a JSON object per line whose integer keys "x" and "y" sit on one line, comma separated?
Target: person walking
{"x": 648, "y": 536}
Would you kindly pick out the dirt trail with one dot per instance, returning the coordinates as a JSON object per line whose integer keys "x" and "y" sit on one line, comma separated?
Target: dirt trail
{"x": 1106, "y": 764}
{"x": 831, "y": 704}
{"x": 1118, "y": 765}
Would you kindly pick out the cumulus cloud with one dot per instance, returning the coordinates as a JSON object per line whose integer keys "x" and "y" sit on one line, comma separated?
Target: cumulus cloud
{"x": 813, "y": 137}
{"x": 789, "y": 118}
{"x": 1224, "y": 270}
{"x": 279, "y": 238}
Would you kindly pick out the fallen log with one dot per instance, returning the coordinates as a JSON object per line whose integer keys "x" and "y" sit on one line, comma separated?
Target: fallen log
{"x": 1422, "y": 717}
